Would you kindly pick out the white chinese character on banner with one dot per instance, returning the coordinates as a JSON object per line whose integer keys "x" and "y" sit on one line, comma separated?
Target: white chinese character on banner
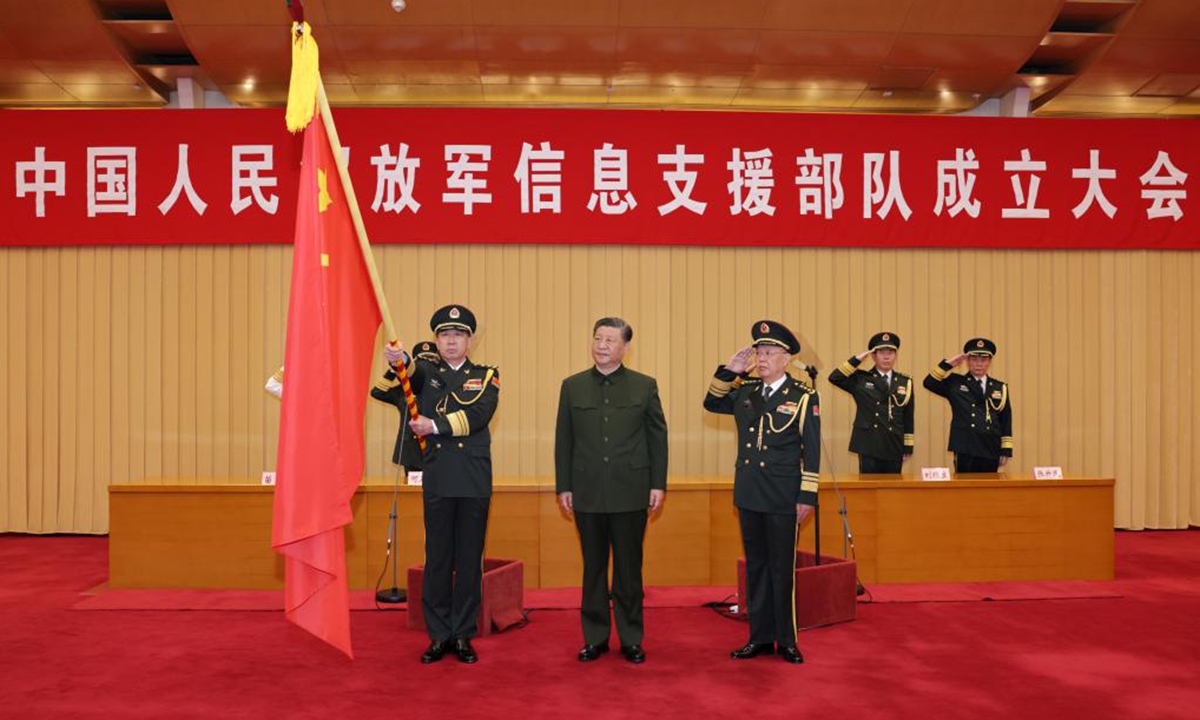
{"x": 540, "y": 174}
{"x": 183, "y": 184}
{"x": 820, "y": 181}
{"x": 875, "y": 194}
{"x": 49, "y": 176}
{"x": 469, "y": 189}
{"x": 111, "y": 180}
{"x": 394, "y": 178}
{"x": 1026, "y": 200}
{"x": 248, "y": 162}
{"x": 610, "y": 178}
{"x": 681, "y": 181}
{"x": 956, "y": 181}
{"x": 752, "y": 174}
{"x": 1166, "y": 202}
{"x": 1093, "y": 173}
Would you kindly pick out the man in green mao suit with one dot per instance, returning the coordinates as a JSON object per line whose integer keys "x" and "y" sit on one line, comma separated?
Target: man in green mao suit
{"x": 610, "y": 462}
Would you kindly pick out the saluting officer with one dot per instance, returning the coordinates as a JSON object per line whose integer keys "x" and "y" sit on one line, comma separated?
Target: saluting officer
{"x": 456, "y": 400}
{"x": 775, "y": 482}
{"x": 388, "y": 390}
{"x": 883, "y": 423}
{"x": 981, "y": 424}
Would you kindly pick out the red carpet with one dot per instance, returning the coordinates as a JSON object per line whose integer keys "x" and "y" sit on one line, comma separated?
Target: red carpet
{"x": 1133, "y": 656}
{"x": 106, "y": 598}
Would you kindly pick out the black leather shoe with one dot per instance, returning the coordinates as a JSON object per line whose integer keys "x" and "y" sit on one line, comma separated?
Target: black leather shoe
{"x": 750, "y": 650}
{"x": 464, "y": 651}
{"x": 434, "y": 652}
{"x": 791, "y": 654}
{"x": 634, "y": 654}
{"x": 592, "y": 652}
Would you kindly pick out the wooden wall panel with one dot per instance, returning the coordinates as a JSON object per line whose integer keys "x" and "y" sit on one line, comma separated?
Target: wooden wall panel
{"x": 127, "y": 364}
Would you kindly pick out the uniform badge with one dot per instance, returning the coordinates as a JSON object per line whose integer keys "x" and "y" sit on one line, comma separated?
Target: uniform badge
{"x": 886, "y": 337}
{"x": 995, "y": 394}
{"x": 454, "y": 313}
{"x": 473, "y": 385}
{"x": 437, "y": 384}
{"x": 787, "y": 408}
{"x": 496, "y": 382}
{"x": 978, "y": 343}
{"x": 902, "y": 390}
{"x": 964, "y": 388}
{"x": 816, "y": 411}
{"x": 870, "y": 384}
{"x": 764, "y": 328}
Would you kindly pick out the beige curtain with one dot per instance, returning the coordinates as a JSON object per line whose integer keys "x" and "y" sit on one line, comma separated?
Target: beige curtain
{"x": 146, "y": 365}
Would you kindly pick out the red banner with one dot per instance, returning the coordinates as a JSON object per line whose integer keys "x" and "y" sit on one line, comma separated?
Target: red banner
{"x": 465, "y": 175}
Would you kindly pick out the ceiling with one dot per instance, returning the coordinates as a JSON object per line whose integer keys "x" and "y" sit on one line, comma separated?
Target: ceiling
{"x": 1078, "y": 57}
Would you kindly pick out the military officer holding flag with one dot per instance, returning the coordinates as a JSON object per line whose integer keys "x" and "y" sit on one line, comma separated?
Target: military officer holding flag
{"x": 456, "y": 400}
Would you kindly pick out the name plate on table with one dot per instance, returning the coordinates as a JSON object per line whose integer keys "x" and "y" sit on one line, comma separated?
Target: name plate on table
{"x": 1047, "y": 473}
{"x": 939, "y": 474}
{"x": 414, "y": 477}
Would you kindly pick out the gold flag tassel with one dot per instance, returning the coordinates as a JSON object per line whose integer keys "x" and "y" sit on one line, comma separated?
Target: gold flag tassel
{"x": 306, "y": 75}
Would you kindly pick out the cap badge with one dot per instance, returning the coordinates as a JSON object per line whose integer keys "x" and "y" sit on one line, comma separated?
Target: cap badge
{"x": 764, "y": 328}
{"x": 887, "y": 337}
{"x": 454, "y": 314}
{"x": 979, "y": 343}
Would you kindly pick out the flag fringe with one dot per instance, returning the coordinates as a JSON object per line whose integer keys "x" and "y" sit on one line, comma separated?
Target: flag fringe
{"x": 306, "y": 75}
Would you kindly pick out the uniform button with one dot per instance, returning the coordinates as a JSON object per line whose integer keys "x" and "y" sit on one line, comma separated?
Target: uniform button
{"x": 605, "y": 401}
{"x": 460, "y": 445}
{"x": 438, "y": 446}
{"x": 747, "y": 444}
{"x": 605, "y": 418}
{"x": 751, "y": 428}
{"x": 747, "y": 462}
{"x": 762, "y": 464}
{"x": 605, "y": 458}
{"x": 605, "y": 439}
{"x": 972, "y": 424}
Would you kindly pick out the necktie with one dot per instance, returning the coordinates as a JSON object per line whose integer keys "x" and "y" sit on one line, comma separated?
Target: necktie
{"x": 767, "y": 390}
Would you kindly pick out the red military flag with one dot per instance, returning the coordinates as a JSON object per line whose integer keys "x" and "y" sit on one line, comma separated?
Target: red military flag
{"x": 333, "y": 318}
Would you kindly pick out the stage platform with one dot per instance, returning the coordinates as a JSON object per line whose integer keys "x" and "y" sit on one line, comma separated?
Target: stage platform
{"x": 217, "y": 534}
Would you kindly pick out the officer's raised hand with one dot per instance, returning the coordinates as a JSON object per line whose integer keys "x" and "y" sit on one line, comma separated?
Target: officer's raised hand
{"x": 393, "y": 352}
{"x": 863, "y": 355}
{"x": 957, "y": 359}
{"x": 740, "y": 361}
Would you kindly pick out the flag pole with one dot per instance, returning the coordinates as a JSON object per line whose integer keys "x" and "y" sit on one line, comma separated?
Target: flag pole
{"x": 364, "y": 244}
{"x": 355, "y": 214}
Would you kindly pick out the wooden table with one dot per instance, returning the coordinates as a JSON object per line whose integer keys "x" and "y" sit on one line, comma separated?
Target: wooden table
{"x": 217, "y": 534}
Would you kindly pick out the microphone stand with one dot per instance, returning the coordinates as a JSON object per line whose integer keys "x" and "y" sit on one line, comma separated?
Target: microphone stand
{"x": 394, "y": 594}
{"x": 848, "y": 549}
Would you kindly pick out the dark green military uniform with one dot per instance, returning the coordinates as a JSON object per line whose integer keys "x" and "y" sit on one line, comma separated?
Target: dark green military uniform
{"x": 981, "y": 421}
{"x": 884, "y": 416}
{"x": 456, "y": 482}
{"x": 610, "y": 451}
{"x": 779, "y": 457}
